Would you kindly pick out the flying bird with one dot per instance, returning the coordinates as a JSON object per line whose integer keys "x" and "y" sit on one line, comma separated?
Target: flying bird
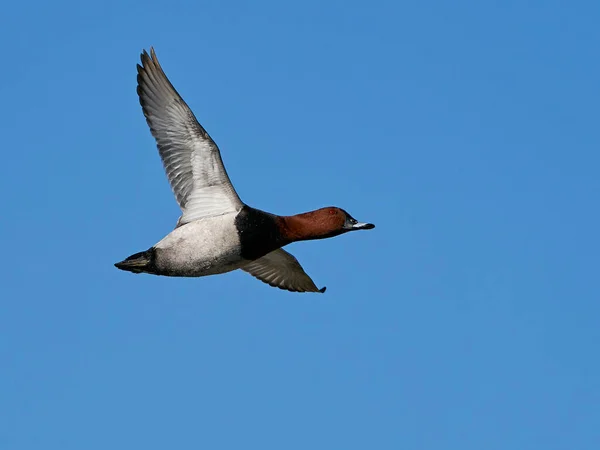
{"x": 217, "y": 232}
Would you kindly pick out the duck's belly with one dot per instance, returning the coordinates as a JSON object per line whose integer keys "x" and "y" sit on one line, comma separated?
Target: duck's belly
{"x": 204, "y": 247}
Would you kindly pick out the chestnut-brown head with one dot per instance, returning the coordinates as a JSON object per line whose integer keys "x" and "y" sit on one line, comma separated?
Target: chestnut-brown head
{"x": 320, "y": 224}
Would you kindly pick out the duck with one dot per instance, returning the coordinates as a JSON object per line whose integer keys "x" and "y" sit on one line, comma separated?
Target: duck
{"x": 217, "y": 232}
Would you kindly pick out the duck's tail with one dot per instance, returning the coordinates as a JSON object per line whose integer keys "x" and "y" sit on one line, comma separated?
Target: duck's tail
{"x": 138, "y": 263}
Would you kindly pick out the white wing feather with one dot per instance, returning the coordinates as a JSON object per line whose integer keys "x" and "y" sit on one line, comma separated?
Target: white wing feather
{"x": 190, "y": 157}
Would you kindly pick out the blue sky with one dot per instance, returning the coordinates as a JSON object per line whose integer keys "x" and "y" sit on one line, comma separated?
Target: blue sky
{"x": 468, "y": 319}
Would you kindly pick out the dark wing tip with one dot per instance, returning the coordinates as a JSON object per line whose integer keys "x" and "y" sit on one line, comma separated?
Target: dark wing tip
{"x": 293, "y": 289}
{"x": 151, "y": 77}
{"x": 145, "y": 57}
{"x": 146, "y": 75}
{"x": 149, "y": 61}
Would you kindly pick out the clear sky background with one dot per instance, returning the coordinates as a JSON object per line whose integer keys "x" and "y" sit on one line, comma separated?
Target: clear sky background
{"x": 467, "y": 131}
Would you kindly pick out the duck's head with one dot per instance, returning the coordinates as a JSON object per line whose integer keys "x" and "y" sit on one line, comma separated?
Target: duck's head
{"x": 323, "y": 223}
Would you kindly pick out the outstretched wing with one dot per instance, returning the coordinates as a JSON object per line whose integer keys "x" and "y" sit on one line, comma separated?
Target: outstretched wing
{"x": 190, "y": 157}
{"x": 282, "y": 270}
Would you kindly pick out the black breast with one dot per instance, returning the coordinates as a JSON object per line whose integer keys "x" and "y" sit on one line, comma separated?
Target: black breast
{"x": 258, "y": 232}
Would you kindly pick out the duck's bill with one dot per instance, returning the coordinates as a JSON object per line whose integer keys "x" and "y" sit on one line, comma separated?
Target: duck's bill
{"x": 362, "y": 226}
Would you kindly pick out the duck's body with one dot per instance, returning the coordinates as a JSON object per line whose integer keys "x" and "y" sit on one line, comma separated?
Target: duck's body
{"x": 217, "y": 232}
{"x": 204, "y": 247}
{"x": 212, "y": 245}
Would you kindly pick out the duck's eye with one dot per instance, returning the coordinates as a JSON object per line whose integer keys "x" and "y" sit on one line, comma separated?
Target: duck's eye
{"x": 332, "y": 212}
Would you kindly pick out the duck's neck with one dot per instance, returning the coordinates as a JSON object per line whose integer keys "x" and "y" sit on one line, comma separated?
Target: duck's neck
{"x": 304, "y": 227}
{"x": 293, "y": 228}
{"x": 261, "y": 232}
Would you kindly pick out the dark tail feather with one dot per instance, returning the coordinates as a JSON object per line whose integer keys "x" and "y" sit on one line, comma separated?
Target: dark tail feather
{"x": 138, "y": 263}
